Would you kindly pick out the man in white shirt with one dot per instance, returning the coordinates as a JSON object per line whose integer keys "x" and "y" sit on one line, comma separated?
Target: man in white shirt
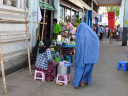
{"x": 106, "y": 30}
{"x": 102, "y": 31}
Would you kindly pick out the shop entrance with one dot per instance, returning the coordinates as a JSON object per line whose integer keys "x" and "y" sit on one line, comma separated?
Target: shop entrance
{"x": 47, "y": 28}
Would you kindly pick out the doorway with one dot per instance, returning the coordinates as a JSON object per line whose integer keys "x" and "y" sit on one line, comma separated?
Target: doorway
{"x": 47, "y": 28}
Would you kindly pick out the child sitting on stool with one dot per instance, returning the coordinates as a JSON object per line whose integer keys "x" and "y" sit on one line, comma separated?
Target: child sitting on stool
{"x": 44, "y": 61}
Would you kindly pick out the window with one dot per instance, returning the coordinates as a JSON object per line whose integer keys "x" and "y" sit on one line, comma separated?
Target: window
{"x": 10, "y": 2}
{"x": 73, "y": 16}
{"x": 61, "y": 13}
{"x": 68, "y": 14}
{"x": 77, "y": 13}
{"x": 73, "y": 13}
{"x": 14, "y": 3}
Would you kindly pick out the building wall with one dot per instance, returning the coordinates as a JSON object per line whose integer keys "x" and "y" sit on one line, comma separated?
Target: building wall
{"x": 69, "y": 5}
{"x": 13, "y": 36}
{"x": 32, "y": 16}
{"x": 57, "y": 12}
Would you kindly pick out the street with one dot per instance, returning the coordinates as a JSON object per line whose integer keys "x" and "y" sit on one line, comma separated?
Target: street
{"x": 106, "y": 81}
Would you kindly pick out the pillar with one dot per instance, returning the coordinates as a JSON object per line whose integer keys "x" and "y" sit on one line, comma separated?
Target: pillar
{"x": 18, "y": 3}
{"x": 22, "y": 4}
{"x": 1, "y": 2}
{"x": 92, "y": 4}
{"x": 57, "y": 12}
{"x": 71, "y": 14}
{"x": 125, "y": 23}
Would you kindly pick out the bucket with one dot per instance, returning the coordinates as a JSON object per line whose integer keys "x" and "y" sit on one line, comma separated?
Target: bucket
{"x": 63, "y": 70}
{"x": 57, "y": 59}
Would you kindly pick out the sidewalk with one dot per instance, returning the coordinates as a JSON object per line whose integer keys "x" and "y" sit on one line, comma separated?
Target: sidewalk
{"x": 106, "y": 81}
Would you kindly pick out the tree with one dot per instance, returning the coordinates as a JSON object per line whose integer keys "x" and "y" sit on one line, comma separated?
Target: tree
{"x": 114, "y": 9}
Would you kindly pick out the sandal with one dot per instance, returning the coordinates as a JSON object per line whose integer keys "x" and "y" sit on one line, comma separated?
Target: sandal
{"x": 87, "y": 83}
{"x": 82, "y": 84}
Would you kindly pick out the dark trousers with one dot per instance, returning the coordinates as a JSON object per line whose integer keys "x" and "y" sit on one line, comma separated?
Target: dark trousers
{"x": 101, "y": 36}
{"x": 108, "y": 34}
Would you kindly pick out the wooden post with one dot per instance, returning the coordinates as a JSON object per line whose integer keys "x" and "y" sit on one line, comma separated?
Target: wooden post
{"x": 2, "y": 69}
{"x": 43, "y": 23}
{"x": 29, "y": 63}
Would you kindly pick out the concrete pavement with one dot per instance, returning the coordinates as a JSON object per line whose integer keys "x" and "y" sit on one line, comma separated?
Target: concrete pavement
{"x": 106, "y": 81}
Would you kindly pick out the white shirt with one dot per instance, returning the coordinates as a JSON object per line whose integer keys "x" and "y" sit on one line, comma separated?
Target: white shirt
{"x": 107, "y": 29}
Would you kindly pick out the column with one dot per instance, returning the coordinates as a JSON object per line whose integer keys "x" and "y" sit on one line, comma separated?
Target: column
{"x": 125, "y": 21}
{"x": 71, "y": 14}
{"x": 22, "y": 4}
{"x": 57, "y": 12}
{"x": 18, "y": 3}
{"x": 83, "y": 15}
{"x": 92, "y": 4}
{"x": 1, "y": 2}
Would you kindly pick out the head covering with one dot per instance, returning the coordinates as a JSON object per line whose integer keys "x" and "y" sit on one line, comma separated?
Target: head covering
{"x": 44, "y": 48}
{"x": 87, "y": 46}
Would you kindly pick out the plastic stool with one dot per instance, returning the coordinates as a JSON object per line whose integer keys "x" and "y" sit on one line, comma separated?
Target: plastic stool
{"x": 69, "y": 57}
{"x": 66, "y": 79}
{"x": 122, "y": 65}
{"x": 38, "y": 74}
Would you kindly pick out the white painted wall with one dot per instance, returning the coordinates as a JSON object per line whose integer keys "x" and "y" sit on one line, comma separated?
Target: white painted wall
{"x": 126, "y": 13}
{"x": 13, "y": 36}
{"x": 121, "y": 13}
{"x": 121, "y": 18}
{"x": 32, "y": 16}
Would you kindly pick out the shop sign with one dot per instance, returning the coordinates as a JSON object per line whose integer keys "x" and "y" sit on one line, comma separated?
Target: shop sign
{"x": 48, "y": 6}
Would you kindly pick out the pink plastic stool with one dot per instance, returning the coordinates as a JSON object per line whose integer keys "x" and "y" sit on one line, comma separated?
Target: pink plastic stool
{"x": 38, "y": 74}
{"x": 66, "y": 78}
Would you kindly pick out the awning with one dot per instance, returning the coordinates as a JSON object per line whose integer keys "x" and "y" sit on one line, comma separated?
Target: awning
{"x": 48, "y": 6}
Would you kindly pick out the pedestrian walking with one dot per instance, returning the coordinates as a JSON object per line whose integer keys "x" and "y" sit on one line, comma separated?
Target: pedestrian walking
{"x": 109, "y": 31}
{"x": 117, "y": 34}
{"x": 102, "y": 31}
{"x": 114, "y": 33}
{"x": 87, "y": 53}
{"x": 97, "y": 29}
{"x": 93, "y": 28}
{"x": 106, "y": 31}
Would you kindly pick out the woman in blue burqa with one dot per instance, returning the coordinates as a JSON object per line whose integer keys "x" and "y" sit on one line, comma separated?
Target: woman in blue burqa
{"x": 87, "y": 54}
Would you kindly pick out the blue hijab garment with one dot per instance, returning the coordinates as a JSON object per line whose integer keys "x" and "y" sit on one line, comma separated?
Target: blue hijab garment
{"x": 87, "y": 46}
{"x": 87, "y": 53}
